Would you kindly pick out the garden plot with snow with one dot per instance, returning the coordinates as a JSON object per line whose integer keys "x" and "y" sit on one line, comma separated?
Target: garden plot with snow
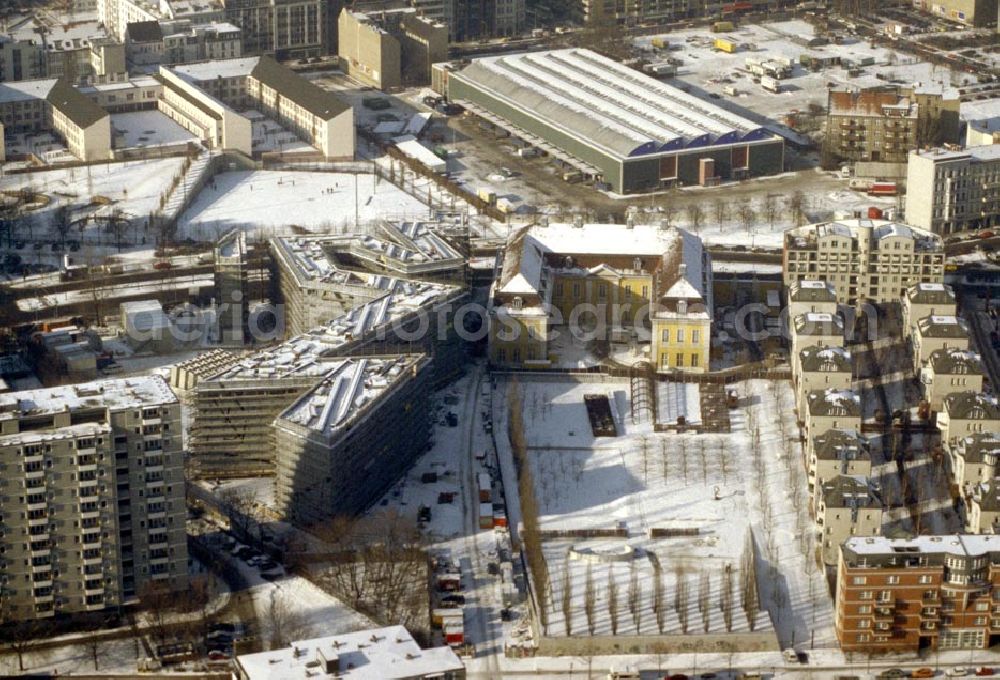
{"x": 274, "y": 202}
{"x": 646, "y": 519}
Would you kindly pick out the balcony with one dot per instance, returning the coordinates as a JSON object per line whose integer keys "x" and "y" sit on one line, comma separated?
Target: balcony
{"x": 152, "y": 469}
{"x": 927, "y": 600}
{"x": 93, "y": 592}
{"x": 34, "y": 474}
{"x": 883, "y": 615}
{"x": 43, "y": 505}
{"x": 156, "y": 514}
{"x": 91, "y": 514}
{"x": 929, "y": 614}
{"x": 91, "y": 467}
{"x": 38, "y": 521}
{"x": 36, "y": 458}
{"x": 88, "y": 561}
{"x": 41, "y": 599}
{"x": 159, "y": 560}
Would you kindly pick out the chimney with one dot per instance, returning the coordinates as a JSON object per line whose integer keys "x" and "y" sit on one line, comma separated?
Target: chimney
{"x": 630, "y": 221}
{"x": 682, "y": 270}
{"x": 544, "y": 222}
{"x": 578, "y": 220}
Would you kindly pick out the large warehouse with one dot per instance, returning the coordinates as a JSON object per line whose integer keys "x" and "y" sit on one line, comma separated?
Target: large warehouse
{"x": 612, "y": 122}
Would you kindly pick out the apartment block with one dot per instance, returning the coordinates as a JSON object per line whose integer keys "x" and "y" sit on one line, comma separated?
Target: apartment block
{"x": 207, "y": 99}
{"x": 150, "y": 43}
{"x": 116, "y": 15}
{"x": 953, "y": 191}
{"x": 974, "y": 460}
{"x": 286, "y": 29}
{"x": 846, "y": 506}
{"x": 57, "y": 106}
{"x": 819, "y": 367}
{"x": 390, "y": 48}
{"x": 832, "y": 410}
{"x": 93, "y": 502}
{"x": 903, "y": 595}
{"x": 483, "y": 19}
{"x": 839, "y": 452}
{"x": 231, "y": 433}
{"x": 342, "y": 444}
{"x": 935, "y": 333}
{"x": 966, "y": 413}
{"x": 639, "y": 11}
{"x": 950, "y": 370}
{"x": 815, "y": 330}
{"x": 875, "y": 124}
{"x": 983, "y": 509}
{"x": 323, "y": 277}
{"x": 927, "y": 299}
{"x": 865, "y": 260}
{"x": 811, "y": 297}
{"x": 976, "y": 13}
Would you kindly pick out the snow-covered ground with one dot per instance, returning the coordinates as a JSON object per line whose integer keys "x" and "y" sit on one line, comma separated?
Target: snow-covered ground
{"x": 272, "y": 202}
{"x": 708, "y": 484}
{"x": 705, "y": 67}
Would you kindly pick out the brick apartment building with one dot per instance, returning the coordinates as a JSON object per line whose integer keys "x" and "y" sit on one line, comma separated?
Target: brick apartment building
{"x": 902, "y": 595}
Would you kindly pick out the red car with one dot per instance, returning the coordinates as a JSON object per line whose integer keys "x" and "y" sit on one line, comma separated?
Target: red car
{"x": 984, "y": 671}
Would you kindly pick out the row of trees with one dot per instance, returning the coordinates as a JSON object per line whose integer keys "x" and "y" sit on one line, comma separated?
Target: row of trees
{"x": 531, "y": 540}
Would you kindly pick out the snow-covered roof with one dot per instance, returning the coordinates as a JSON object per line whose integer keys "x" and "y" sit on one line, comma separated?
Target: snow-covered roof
{"x": 848, "y": 491}
{"x": 604, "y": 103}
{"x": 834, "y": 402}
{"x": 943, "y": 326}
{"x": 812, "y": 291}
{"x": 972, "y": 406}
{"x": 217, "y": 68}
{"x": 825, "y": 359}
{"x": 841, "y": 445}
{"x": 979, "y": 447}
{"x": 806, "y": 236}
{"x": 25, "y": 90}
{"x": 309, "y": 354}
{"x": 113, "y": 394}
{"x": 348, "y": 387}
{"x": 928, "y": 293}
{"x": 953, "y": 544}
{"x": 55, "y": 434}
{"x": 376, "y": 654}
{"x": 954, "y": 361}
{"x": 818, "y": 323}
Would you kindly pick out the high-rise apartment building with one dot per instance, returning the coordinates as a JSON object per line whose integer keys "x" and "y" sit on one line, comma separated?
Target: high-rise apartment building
{"x": 953, "y": 191}
{"x": 865, "y": 260}
{"x": 902, "y": 595}
{"x": 92, "y": 503}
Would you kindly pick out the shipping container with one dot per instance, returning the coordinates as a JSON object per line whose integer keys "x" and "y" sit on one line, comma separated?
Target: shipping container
{"x": 727, "y": 45}
{"x": 485, "y": 485}
{"x": 883, "y": 189}
{"x": 487, "y": 195}
{"x": 730, "y": 91}
{"x": 661, "y": 43}
{"x": 722, "y": 26}
{"x": 874, "y": 213}
{"x": 485, "y": 515}
{"x": 499, "y": 521}
{"x": 443, "y": 615}
{"x": 770, "y": 84}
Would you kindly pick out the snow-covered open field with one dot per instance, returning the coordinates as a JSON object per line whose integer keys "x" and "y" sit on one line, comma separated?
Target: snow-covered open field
{"x": 274, "y": 202}
{"x": 704, "y": 490}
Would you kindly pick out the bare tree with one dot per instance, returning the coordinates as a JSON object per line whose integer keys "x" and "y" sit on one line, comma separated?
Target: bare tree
{"x": 770, "y": 208}
{"x": 282, "y": 623}
{"x": 634, "y": 597}
{"x": 749, "y": 597}
{"x": 696, "y": 215}
{"x": 567, "y": 601}
{"x": 720, "y": 209}
{"x": 613, "y": 600}
{"x": 669, "y": 211}
{"x": 157, "y": 602}
{"x": 746, "y": 215}
{"x": 659, "y": 606}
{"x": 797, "y": 207}
{"x": 240, "y": 505}
{"x": 704, "y": 597}
{"x": 726, "y": 598}
{"x": 590, "y": 600}
{"x": 681, "y": 597}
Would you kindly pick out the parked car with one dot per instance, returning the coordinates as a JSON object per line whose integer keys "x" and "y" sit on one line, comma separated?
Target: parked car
{"x": 984, "y": 671}
{"x": 958, "y": 672}
{"x": 892, "y": 674}
{"x": 923, "y": 673}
